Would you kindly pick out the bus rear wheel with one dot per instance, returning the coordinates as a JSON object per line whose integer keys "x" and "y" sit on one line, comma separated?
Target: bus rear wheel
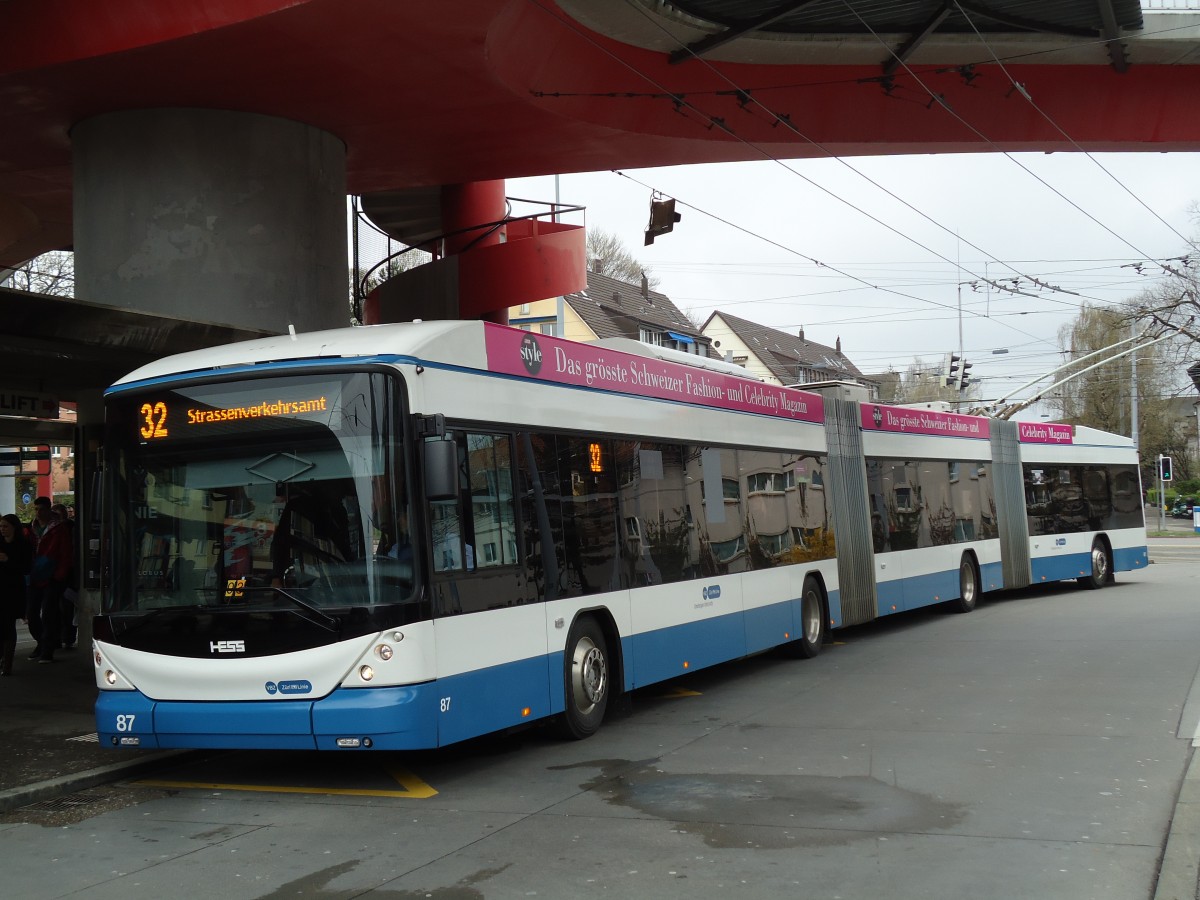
{"x": 1095, "y": 579}
{"x": 585, "y": 680}
{"x": 968, "y": 585}
{"x": 812, "y": 621}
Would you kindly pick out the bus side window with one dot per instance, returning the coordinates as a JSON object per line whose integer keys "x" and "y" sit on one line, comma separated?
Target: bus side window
{"x": 489, "y": 466}
{"x": 477, "y": 529}
{"x": 448, "y": 544}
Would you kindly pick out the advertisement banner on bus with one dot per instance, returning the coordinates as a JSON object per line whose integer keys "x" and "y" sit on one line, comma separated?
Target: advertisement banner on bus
{"x": 876, "y": 417}
{"x": 1045, "y": 433}
{"x": 511, "y": 351}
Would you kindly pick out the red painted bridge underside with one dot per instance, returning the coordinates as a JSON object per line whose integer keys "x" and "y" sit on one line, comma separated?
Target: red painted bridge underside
{"x": 433, "y": 93}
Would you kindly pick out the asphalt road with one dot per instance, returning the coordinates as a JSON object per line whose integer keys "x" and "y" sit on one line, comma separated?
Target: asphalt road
{"x": 1034, "y": 748}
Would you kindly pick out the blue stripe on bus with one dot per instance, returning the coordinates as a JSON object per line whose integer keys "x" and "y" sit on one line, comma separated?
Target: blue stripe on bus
{"x": 662, "y": 654}
{"x": 770, "y": 626}
{"x": 889, "y": 597}
{"x": 1063, "y": 567}
{"x": 394, "y": 718}
{"x": 1127, "y": 558}
{"x": 1073, "y": 565}
{"x": 835, "y": 609}
{"x": 494, "y": 698}
{"x": 926, "y": 590}
{"x": 991, "y": 576}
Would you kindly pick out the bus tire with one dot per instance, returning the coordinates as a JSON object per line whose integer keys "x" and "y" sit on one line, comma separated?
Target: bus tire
{"x": 812, "y": 621}
{"x": 586, "y": 684}
{"x": 969, "y": 587}
{"x": 1100, "y": 568}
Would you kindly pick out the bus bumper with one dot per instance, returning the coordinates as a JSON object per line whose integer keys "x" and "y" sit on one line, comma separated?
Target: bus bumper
{"x": 392, "y": 718}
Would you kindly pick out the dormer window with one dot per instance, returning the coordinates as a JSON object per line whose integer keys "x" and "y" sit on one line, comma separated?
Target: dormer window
{"x": 651, "y": 337}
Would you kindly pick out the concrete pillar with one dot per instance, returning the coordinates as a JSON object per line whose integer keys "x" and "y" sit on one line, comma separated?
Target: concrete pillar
{"x": 214, "y": 216}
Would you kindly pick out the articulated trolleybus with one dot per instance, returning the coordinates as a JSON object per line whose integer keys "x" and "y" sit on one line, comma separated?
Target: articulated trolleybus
{"x": 402, "y": 536}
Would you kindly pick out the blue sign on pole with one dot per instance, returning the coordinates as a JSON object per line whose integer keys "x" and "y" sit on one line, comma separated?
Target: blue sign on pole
{"x": 25, "y": 498}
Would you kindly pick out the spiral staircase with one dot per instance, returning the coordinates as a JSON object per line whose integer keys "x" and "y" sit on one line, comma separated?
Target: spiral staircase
{"x": 478, "y": 271}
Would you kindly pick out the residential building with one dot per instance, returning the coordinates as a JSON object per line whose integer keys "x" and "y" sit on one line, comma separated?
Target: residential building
{"x": 610, "y": 308}
{"x": 779, "y": 357}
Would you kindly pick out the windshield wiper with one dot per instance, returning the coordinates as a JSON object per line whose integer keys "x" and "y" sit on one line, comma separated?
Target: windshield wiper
{"x": 315, "y": 615}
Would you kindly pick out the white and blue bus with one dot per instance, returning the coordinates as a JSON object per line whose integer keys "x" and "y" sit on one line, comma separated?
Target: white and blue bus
{"x": 403, "y": 536}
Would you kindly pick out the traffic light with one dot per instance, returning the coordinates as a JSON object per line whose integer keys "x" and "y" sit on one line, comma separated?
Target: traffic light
{"x": 1164, "y": 468}
{"x": 964, "y": 378}
{"x": 662, "y": 217}
{"x": 950, "y": 369}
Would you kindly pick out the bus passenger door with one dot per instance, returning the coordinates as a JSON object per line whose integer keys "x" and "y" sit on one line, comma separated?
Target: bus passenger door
{"x": 491, "y": 641}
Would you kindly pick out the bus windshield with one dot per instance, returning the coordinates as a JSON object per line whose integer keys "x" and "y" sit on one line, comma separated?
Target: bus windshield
{"x": 276, "y": 492}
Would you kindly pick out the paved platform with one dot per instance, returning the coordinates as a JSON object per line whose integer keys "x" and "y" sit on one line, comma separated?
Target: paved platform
{"x": 48, "y": 741}
{"x": 48, "y": 748}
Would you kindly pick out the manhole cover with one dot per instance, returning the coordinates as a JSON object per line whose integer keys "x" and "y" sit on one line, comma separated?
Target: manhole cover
{"x": 64, "y": 803}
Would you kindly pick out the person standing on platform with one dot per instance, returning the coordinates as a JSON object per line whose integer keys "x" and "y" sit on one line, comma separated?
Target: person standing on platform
{"x": 69, "y": 607}
{"x": 52, "y": 560}
{"x": 42, "y": 515}
{"x": 15, "y": 556}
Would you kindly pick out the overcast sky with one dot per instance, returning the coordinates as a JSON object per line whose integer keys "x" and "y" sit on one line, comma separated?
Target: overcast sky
{"x": 893, "y": 269}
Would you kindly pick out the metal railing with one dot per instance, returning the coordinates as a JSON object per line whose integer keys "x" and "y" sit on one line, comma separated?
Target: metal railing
{"x": 389, "y": 265}
{"x": 1171, "y": 5}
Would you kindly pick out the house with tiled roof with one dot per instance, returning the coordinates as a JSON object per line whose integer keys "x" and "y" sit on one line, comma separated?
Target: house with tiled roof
{"x": 610, "y": 308}
{"x": 780, "y": 357}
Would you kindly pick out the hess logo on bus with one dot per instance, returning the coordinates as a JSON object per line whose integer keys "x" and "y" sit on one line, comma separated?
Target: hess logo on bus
{"x": 227, "y": 646}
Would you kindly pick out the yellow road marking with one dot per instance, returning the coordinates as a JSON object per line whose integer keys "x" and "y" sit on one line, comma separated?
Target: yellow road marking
{"x": 680, "y": 692}
{"x": 414, "y": 788}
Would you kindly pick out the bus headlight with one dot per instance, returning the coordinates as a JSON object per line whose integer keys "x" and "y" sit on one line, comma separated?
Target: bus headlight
{"x": 384, "y": 652}
{"x": 366, "y": 673}
{"x": 110, "y": 676}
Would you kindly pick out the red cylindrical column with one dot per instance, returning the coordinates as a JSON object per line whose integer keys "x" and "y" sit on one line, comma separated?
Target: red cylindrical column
{"x": 474, "y": 203}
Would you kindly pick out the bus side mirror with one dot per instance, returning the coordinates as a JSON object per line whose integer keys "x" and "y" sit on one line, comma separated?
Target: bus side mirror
{"x": 441, "y": 469}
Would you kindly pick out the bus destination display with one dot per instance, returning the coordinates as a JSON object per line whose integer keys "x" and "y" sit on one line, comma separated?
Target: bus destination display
{"x": 160, "y": 419}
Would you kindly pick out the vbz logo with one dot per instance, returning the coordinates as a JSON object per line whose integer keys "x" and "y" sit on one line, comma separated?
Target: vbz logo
{"x": 227, "y": 646}
{"x": 712, "y": 592}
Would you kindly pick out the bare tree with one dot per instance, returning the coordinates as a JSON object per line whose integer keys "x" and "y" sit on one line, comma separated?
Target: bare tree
{"x": 608, "y": 255}
{"x": 1174, "y": 302}
{"x": 924, "y": 382}
{"x": 1102, "y": 398}
{"x": 51, "y": 273}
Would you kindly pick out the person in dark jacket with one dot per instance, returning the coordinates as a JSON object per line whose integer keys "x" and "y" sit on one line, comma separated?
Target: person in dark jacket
{"x": 15, "y": 556}
{"x": 52, "y": 561}
{"x": 67, "y": 609}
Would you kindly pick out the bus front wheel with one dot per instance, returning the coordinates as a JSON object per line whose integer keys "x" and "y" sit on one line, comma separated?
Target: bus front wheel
{"x": 585, "y": 680}
{"x": 1099, "y": 573}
